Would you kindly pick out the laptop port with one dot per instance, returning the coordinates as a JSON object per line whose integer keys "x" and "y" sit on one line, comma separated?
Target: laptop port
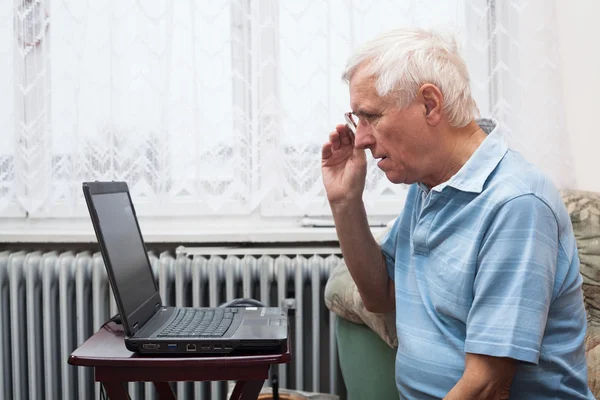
{"x": 150, "y": 346}
{"x": 190, "y": 347}
{"x": 171, "y": 346}
{"x": 217, "y": 347}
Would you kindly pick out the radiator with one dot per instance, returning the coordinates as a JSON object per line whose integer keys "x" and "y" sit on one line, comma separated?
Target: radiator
{"x": 53, "y": 301}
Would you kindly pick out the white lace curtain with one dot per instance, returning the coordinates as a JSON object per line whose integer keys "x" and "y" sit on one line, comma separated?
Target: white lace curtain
{"x": 221, "y": 107}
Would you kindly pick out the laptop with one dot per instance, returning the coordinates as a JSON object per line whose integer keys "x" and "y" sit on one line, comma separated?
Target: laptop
{"x": 150, "y": 326}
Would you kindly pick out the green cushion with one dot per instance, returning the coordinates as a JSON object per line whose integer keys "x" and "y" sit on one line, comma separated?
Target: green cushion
{"x": 366, "y": 361}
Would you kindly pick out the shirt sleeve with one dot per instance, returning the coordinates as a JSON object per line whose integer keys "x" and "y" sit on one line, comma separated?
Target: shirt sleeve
{"x": 513, "y": 286}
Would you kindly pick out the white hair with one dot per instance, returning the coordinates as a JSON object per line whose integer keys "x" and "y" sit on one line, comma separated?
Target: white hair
{"x": 402, "y": 60}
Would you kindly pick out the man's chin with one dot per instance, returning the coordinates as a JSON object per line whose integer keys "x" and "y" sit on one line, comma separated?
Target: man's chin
{"x": 397, "y": 178}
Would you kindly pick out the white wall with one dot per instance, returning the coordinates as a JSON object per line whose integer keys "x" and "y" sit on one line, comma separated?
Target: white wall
{"x": 579, "y": 33}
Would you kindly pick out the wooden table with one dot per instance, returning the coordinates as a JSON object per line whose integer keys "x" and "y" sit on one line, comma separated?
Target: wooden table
{"x": 114, "y": 365}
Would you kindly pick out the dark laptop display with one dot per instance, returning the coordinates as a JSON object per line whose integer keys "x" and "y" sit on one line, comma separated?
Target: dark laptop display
{"x": 126, "y": 252}
{"x": 149, "y": 325}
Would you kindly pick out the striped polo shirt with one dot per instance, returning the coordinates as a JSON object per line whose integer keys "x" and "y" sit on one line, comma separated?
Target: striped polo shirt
{"x": 487, "y": 263}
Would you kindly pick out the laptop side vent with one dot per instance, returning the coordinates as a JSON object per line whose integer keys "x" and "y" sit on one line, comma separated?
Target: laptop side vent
{"x": 53, "y": 301}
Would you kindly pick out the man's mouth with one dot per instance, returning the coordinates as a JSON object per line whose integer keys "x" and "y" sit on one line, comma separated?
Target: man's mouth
{"x": 380, "y": 160}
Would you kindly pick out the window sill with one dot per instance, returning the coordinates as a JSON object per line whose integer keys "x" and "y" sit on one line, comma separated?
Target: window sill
{"x": 156, "y": 231}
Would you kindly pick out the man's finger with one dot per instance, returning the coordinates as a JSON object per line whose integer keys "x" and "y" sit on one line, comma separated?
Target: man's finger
{"x": 326, "y": 151}
{"x": 346, "y": 135}
{"x": 334, "y": 139}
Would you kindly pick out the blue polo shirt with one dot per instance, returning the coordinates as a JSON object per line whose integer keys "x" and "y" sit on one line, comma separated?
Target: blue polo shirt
{"x": 487, "y": 263}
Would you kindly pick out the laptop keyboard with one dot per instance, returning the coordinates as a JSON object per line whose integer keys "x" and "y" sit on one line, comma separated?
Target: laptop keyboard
{"x": 191, "y": 322}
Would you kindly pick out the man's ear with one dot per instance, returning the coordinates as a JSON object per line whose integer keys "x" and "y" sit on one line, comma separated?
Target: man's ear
{"x": 432, "y": 99}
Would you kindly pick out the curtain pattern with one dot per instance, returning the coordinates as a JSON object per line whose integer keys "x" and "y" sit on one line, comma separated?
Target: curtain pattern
{"x": 221, "y": 108}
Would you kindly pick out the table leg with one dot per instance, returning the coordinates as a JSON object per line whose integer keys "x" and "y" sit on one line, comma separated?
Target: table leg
{"x": 247, "y": 390}
{"x": 164, "y": 391}
{"x": 116, "y": 390}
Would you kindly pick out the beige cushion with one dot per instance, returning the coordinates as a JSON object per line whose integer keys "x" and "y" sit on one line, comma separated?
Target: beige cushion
{"x": 584, "y": 211}
{"x": 342, "y": 297}
{"x": 592, "y": 352}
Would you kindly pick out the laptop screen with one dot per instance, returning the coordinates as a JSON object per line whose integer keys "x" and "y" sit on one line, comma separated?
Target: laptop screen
{"x": 125, "y": 249}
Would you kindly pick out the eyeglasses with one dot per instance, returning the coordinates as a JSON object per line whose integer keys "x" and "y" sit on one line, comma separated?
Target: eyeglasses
{"x": 352, "y": 122}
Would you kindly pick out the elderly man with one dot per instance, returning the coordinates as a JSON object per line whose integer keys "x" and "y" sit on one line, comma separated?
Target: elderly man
{"x": 481, "y": 266}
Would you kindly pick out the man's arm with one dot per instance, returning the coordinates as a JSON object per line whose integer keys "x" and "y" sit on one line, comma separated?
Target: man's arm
{"x": 363, "y": 257}
{"x": 344, "y": 169}
{"x": 485, "y": 378}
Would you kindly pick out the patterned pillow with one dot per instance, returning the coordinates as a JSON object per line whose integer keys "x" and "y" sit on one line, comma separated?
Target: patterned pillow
{"x": 584, "y": 211}
{"x": 342, "y": 298}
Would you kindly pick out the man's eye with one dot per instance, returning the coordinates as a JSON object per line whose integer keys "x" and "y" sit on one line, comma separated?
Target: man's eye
{"x": 370, "y": 117}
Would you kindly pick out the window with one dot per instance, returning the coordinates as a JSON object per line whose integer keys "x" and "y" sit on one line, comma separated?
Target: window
{"x": 7, "y": 171}
{"x": 204, "y": 108}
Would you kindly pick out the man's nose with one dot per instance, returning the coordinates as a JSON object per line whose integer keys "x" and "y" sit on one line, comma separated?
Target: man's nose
{"x": 363, "y": 138}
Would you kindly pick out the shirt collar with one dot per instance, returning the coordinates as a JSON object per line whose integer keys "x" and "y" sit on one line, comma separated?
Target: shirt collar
{"x": 473, "y": 175}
